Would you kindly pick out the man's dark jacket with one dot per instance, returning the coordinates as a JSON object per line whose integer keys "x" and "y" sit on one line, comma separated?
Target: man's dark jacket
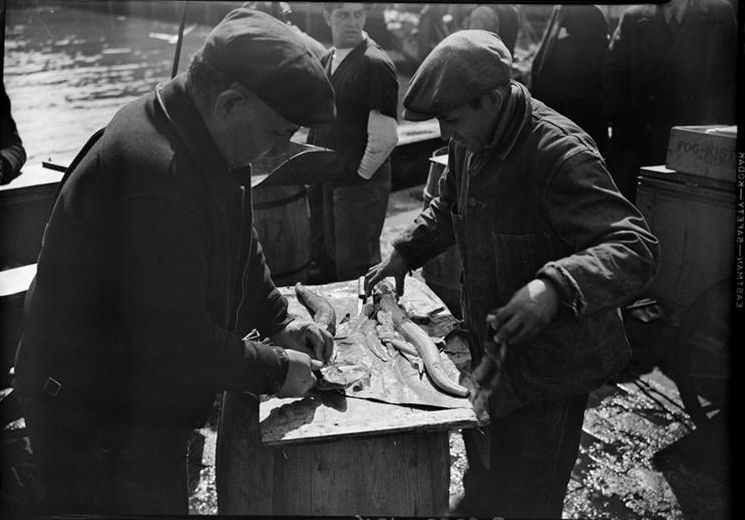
{"x": 148, "y": 261}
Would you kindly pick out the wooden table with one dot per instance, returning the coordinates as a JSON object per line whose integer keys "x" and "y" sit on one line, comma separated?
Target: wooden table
{"x": 25, "y": 204}
{"x": 327, "y": 454}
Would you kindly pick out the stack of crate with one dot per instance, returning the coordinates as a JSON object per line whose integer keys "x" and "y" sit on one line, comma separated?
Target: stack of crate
{"x": 689, "y": 204}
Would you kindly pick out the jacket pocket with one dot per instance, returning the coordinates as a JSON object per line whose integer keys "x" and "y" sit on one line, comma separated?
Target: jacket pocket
{"x": 517, "y": 258}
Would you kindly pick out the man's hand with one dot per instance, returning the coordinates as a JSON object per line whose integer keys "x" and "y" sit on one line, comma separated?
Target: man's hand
{"x": 395, "y": 265}
{"x": 306, "y": 336}
{"x": 527, "y": 313}
{"x": 300, "y": 376}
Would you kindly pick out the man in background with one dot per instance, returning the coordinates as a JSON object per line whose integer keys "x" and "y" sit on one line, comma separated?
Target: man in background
{"x": 567, "y": 71}
{"x": 503, "y": 19}
{"x": 347, "y": 213}
{"x": 668, "y": 64}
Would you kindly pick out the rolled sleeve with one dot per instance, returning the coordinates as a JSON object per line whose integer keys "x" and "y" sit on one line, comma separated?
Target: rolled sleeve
{"x": 383, "y": 84}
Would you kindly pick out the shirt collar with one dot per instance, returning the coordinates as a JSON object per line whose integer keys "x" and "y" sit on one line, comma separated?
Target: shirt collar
{"x": 200, "y": 147}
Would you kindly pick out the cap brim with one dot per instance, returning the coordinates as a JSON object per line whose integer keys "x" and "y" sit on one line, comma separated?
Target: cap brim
{"x": 298, "y": 164}
{"x": 411, "y": 115}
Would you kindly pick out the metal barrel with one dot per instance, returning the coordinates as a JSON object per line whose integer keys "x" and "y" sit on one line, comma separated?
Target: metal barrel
{"x": 443, "y": 273}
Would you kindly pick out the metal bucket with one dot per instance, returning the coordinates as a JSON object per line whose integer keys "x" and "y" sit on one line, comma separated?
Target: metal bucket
{"x": 442, "y": 274}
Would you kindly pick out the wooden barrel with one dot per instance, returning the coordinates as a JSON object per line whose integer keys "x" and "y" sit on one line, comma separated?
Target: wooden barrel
{"x": 442, "y": 273}
{"x": 282, "y": 220}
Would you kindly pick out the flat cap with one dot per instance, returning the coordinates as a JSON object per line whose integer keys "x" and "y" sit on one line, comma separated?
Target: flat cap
{"x": 460, "y": 69}
{"x": 271, "y": 59}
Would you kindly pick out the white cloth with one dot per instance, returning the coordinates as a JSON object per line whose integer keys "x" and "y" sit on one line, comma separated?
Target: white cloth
{"x": 382, "y": 138}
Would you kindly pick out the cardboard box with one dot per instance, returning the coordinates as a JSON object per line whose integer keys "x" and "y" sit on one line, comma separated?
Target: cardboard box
{"x": 706, "y": 151}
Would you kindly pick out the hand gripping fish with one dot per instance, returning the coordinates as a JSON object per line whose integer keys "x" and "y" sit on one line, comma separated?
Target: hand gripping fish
{"x": 426, "y": 348}
{"x": 319, "y": 307}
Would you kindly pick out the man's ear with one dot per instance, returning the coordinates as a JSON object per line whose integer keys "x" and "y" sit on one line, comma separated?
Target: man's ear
{"x": 496, "y": 97}
{"x": 226, "y": 102}
{"x": 327, "y": 17}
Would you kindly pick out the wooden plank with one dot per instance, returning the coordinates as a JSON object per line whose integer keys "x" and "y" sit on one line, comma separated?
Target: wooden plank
{"x": 308, "y": 419}
{"x": 25, "y": 205}
{"x": 16, "y": 280}
{"x": 32, "y": 175}
{"x": 398, "y": 474}
{"x": 416, "y": 131}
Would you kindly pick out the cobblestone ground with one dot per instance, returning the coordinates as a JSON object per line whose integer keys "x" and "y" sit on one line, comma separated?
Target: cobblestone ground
{"x": 623, "y": 470}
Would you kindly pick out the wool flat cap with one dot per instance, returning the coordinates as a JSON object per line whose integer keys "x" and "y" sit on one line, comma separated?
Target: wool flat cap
{"x": 460, "y": 69}
{"x": 271, "y": 59}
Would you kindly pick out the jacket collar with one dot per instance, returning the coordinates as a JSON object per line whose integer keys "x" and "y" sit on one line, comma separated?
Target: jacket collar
{"x": 187, "y": 125}
{"x": 512, "y": 120}
{"x": 359, "y": 49}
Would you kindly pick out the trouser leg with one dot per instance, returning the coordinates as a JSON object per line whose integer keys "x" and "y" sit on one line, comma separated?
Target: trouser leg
{"x": 533, "y": 451}
{"x": 73, "y": 462}
{"x": 359, "y": 214}
{"x": 151, "y": 471}
{"x": 88, "y": 465}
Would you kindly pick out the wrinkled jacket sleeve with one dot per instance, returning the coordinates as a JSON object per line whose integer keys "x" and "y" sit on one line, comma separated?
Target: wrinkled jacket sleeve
{"x": 431, "y": 233}
{"x": 165, "y": 273}
{"x": 265, "y": 307}
{"x": 615, "y": 253}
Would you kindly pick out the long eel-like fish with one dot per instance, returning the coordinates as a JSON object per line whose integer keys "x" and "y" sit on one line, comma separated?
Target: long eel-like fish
{"x": 424, "y": 345}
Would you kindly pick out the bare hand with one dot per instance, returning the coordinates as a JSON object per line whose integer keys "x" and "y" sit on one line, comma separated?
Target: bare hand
{"x": 395, "y": 265}
{"x": 299, "y": 378}
{"x": 528, "y": 312}
{"x": 307, "y": 337}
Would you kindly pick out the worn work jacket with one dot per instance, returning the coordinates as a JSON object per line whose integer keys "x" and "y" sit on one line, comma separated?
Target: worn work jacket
{"x": 148, "y": 261}
{"x": 538, "y": 202}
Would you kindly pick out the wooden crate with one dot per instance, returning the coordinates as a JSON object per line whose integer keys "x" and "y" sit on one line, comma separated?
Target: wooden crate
{"x": 25, "y": 205}
{"x": 695, "y": 227}
{"x": 332, "y": 455}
